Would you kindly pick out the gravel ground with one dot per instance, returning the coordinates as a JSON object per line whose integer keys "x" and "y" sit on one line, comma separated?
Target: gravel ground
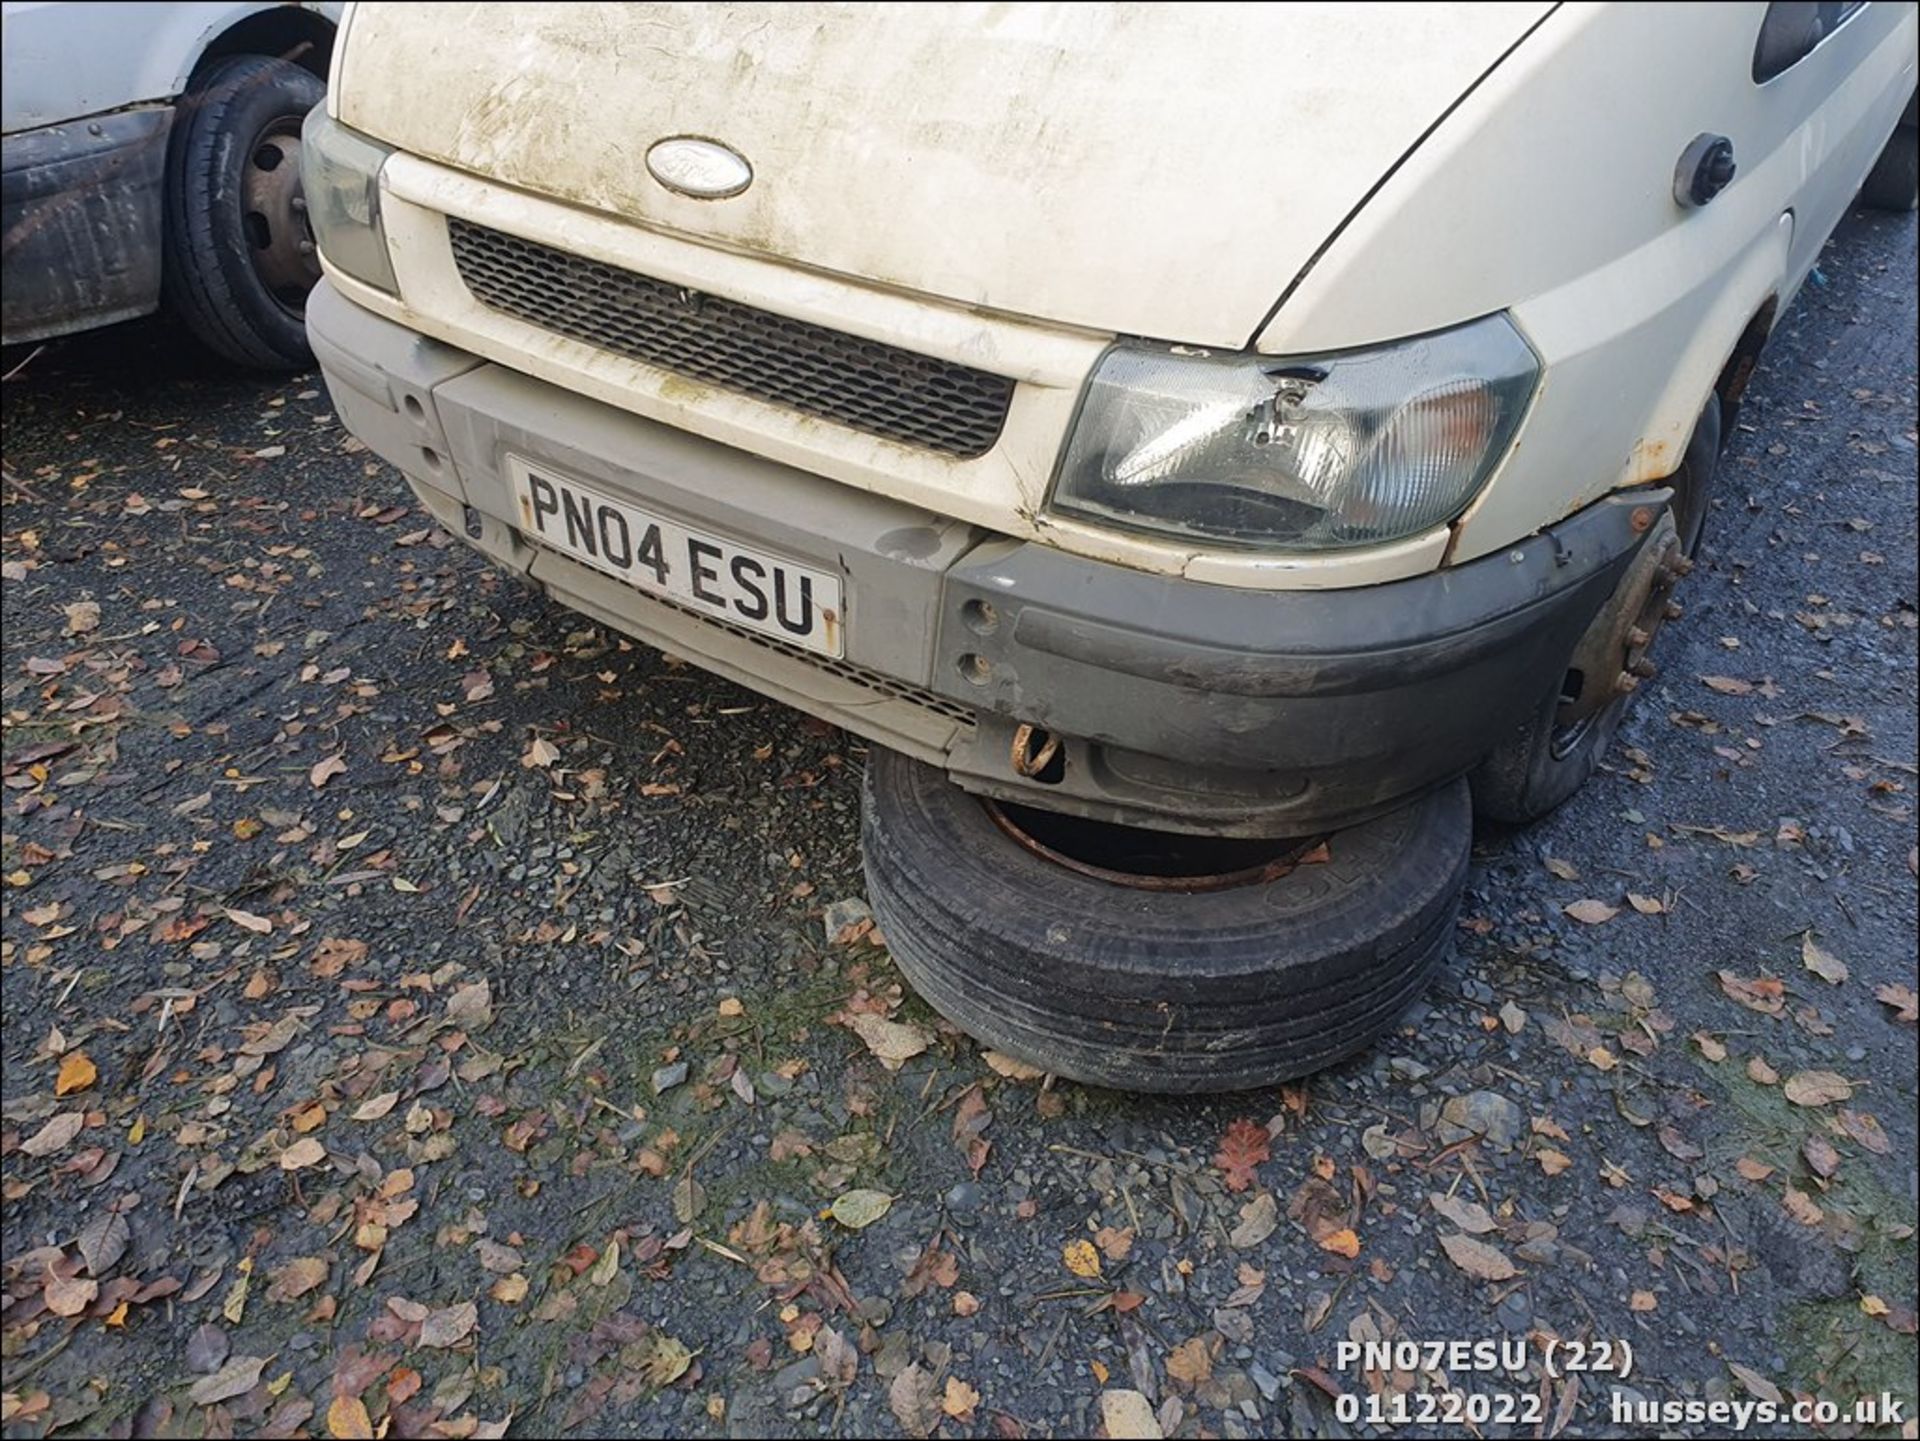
{"x": 425, "y": 1010}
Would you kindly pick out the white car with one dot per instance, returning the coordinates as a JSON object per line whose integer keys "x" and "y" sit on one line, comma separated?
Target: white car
{"x": 152, "y": 155}
{"x": 1188, "y": 441}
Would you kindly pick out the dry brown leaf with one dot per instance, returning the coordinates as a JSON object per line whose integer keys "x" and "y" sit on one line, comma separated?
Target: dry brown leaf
{"x": 1864, "y": 1127}
{"x": 376, "y": 1107}
{"x": 1128, "y": 1416}
{"x": 1190, "y": 1363}
{"x": 1763, "y": 994}
{"x": 1478, "y": 1259}
{"x": 1592, "y": 912}
{"x": 56, "y": 1135}
{"x": 1245, "y": 1147}
{"x": 449, "y": 1326}
{"x": 347, "y": 1419}
{"x": 960, "y": 1399}
{"x": 1817, "y": 1088}
{"x": 1005, "y": 1065}
{"x": 1643, "y": 1301}
{"x": 1824, "y": 964}
{"x": 308, "y": 1151}
{"x": 1903, "y": 1000}
{"x": 239, "y": 1376}
{"x": 1469, "y": 1215}
{"x": 1551, "y": 1161}
{"x": 1753, "y": 1170}
{"x": 1801, "y": 1207}
{"x": 76, "y": 1074}
{"x": 69, "y": 1295}
{"x": 1760, "y": 1073}
{"x": 894, "y": 1043}
{"x": 326, "y": 770}
{"x": 1727, "y": 685}
{"x": 1710, "y": 1046}
{"x": 1565, "y": 870}
{"x": 1821, "y": 1156}
{"x": 296, "y": 1278}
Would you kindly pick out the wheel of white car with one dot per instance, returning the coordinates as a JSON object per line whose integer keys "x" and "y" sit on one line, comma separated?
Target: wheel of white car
{"x": 1052, "y": 939}
{"x": 1894, "y": 182}
{"x": 239, "y": 257}
{"x": 1558, "y": 746}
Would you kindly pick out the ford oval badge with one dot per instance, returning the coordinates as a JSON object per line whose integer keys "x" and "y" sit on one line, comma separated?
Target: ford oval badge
{"x": 704, "y": 169}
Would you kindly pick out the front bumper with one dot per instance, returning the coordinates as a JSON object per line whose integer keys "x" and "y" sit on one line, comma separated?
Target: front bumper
{"x": 1178, "y": 704}
{"x": 80, "y": 213}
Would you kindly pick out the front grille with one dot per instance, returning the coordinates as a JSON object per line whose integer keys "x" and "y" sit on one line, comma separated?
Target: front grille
{"x": 861, "y": 384}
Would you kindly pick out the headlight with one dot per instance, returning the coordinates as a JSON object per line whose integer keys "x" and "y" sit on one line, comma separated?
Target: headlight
{"x": 1303, "y": 453}
{"x": 340, "y": 176}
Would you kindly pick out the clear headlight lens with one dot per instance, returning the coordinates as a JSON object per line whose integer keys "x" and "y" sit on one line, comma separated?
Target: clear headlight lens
{"x": 340, "y": 177}
{"x": 1304, "y": 453}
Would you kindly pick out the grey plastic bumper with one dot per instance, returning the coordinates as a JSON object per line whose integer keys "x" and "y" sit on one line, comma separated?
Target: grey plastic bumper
{"x": 80, "y": 209}
{"x": 1179, "y": 704}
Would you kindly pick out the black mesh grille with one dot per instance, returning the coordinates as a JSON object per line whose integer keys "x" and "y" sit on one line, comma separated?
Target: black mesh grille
{"x": 863, "y": 384}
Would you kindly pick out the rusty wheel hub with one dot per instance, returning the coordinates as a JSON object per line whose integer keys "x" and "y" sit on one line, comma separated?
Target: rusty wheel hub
{"x": 284, "y": 255}
{"x": 1612, "y": 658}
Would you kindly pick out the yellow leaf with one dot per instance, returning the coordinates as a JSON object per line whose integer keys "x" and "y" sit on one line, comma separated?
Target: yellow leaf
{"x": 119, "y": 1316}
{"x": 1342, "y": 1243}
{"x": 1081, "y": 1258}
{"x": 138, "y": 1133}
{"x": 76, "y": 1073}
{"x": 1100, "y": 1372}
{"x": 1872, "y": 1305}
{"x": 347, "y": 1419}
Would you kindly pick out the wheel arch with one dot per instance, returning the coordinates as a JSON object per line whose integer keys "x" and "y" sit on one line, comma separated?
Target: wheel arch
{"x": 292, "y": 33}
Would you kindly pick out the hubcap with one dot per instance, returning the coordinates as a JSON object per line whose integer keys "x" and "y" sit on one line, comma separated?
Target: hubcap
{"x": 1612, "y": 658}
{"x": 281, "y": 241}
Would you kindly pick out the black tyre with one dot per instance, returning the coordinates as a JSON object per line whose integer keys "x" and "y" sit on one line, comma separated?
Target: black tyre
{"x": 239, "y": 258}
{"x": 1157, "y": 990}
{"x": 1894, "y": 182}
{"x": 1558, "y": 746}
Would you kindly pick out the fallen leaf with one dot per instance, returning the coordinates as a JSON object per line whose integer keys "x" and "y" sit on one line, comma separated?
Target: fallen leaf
{"x": 914, "y": 1398}
{"x": 1565, "y": 870}
{"x": 1643, "y": 1301}
{"x": 1080, "y": 1258}
{"x": 1801, "y": 1207}
{"x": 1760, "y": 1073}
{"x": 1128, "y": 1416}
{"x": 248, "y": 921}
{"x": 1591, "y": 912}
{"x": 509, "y": 1290}
{"x": 540, "y": 753}
{"x": 1727, "y": 685}
{"x": 1821, "y": 1156}
{"x": 1244, "y": 1148}
{"x": 69, "y": 1295}
{"x": 1344, "y": 1242}
{"x": 1903, "y": 1000}
{"x": 1646, "y": 905}
{"x": 894, "y": 1043}
{"x": 1710, "y": 1046}
{"x": 347, "y": 1419}
{"x": 376, "y": 1107}
{"x": 236, "y": 1378}
{"x": 103, "y": 1241}
{"x": 1190, "y": 1363}
{"x": 858, "y": 1209}
{"x": 1477, "y": 1258}
{"x": 308, "y": 1151}
{"x": 1469, "y": 1215}
{"x": 1758, "y": 1386}
{"x": 1005, "y": 1065}
{"x": 296, "y": 1278}
{"x": 1552, "y": 1162}
{"x": 1817, "y": 1088}
{"x": 82, "y": 616}
{"x": 76, "y": 1074}
{"x": 959, "y": 1400}
{"x": 449, "y": 1326}
{"x": 1865, "y": 1128}
{"x": 56, "y": 1135}
{"x": 1753, "y": 1170}
{"x": 1764, "y": 994}
{"x": 1824, "y": 964}
{"x": 326, "y": 770}
{"x": 1258, "y": 1218}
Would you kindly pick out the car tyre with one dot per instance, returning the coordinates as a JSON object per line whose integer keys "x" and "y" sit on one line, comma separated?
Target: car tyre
{"x": 239, "y": 258}
{"x": 1894, "y": 182}
{"x": 1157, "y": 990}
{"x": 1540, "y": 766}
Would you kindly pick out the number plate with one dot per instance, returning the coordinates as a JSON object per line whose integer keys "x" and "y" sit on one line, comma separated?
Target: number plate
{"x": 700, "y": 570}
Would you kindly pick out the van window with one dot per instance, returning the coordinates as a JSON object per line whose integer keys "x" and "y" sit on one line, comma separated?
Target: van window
{"x": 1793, "y": 29}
